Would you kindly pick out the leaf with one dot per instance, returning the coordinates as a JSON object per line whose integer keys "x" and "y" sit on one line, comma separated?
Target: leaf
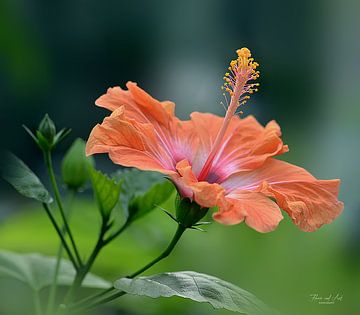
{"x": 17, "y": 174}
{"x": 142, "y": 191}
{"x": 75, "y": 165}
{"x": 106, "y": 190}
{"x": 37, "y": 271}
{"x": 156, "y": 195}
{"x": 197, "y": 287}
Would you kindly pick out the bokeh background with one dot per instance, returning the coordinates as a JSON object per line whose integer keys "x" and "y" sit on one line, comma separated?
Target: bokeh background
{"x": 57, "y": 57}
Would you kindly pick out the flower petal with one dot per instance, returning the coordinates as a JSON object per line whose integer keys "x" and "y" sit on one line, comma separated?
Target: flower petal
{"x": 129, "y": 143}
{"x": 142, "y": 128}
{"x": 205, "y": 194}
{"x": 139, "y": 104}
{"x": 258, "y": 211}
{"x": 248, "y": 147}
{"x": 309, "y": 202}
{"x": 246, "y": 144}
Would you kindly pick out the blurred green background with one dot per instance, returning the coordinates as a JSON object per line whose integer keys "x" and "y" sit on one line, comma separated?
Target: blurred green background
{"x": 57, "y": 57}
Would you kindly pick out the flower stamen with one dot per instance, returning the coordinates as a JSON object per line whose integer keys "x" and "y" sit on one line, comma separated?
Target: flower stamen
{"x": 241, "y": 71}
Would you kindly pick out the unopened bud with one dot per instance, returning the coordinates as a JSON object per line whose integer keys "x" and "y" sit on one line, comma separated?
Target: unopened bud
{"x": 47, "y": 129}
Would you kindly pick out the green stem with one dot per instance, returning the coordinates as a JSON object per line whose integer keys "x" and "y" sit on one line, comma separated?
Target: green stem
{"x": 37, "y": 303}
{"x": 91, "y": 298}
{"x": 53, "y": 289}
{"x": 49, "y": 165}
{"x": 59, "y": 232}
{"x": 179, "y": 232}
{"x": 103, "y": 301}
{"x": 83, "y": 270}
{"x": 117, "y": 233}
{"x": 100, "y": 244}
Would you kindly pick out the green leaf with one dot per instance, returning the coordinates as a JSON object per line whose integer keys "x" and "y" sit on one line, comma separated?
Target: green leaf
{"x": 75, "y": 165}
{"x": 142, "y": 191}
{"x": 106, "y": 191}
{"x": 143, "y": 204}
{"x": 37, "y": 271}
{"x": 14, "y": 171}
{"x": 197, "y": 287}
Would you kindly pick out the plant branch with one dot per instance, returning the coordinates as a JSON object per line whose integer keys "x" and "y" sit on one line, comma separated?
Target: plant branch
{"x": 49, "y": 165}
{"x": 82, "y": 272}
{"x": 117, "y": 233}
{"x": 179, "y": 232}
{"x": 53, "y": 289}
{"x": 102, "y": 242}
{"x": 37, "y": 303}
{"x": 59, "y": 232}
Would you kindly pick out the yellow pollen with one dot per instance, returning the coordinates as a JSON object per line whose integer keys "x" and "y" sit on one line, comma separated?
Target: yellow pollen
{"x": 242, "y": 70}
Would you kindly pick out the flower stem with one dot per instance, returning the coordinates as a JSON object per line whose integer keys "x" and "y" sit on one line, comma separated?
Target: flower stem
{"x": 59, "y": 232}
{"x": 49, "y": 165}
{"x": 100, "y": 244}
{"x": 179, "y": 232}
{"x": 82, "y": 272}
{"x": 92, "y": 298}
{"x": 37, "y": 303}
{"x": 84, "y": 269}
{"x": 53, "y": 289}
{"x": 117, "y": 233}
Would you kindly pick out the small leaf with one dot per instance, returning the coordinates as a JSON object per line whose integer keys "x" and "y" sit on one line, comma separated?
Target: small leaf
{"x": 168, "y": 214}
{"x": 106, "y": 191}
{"x": 62, "y": 134}
{"x": 75, "y": 165}
{"x": 143, "y": 204}
{"x": 16, "y": 173}
{"x": 29, "y": 132}
{"x": 37, "y": 271}
{"x": 142, "y": 191}
{"x": 197, "y": 287}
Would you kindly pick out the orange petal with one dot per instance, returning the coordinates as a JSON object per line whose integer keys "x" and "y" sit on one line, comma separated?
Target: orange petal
{"x": 130, "y": 143}
{"x": 138, "y": 104}
{"x": 309, "y": 202}
{"x": 130, "y": 157}
{"x": 205, "y": 194}
{"x": 246, "y": 144}
{"x": 258, "y": 211}
{"x": 249, "y": 147}
{"x": 115, "y": 131}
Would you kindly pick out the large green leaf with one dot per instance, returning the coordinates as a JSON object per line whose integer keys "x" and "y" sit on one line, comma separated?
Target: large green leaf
{"x": 14, "y": 171}
{"x": 142, "y": 191}
{"x": 197, "y": 287}
{"x": 106, "y": 191}
{"x": 37, "y": 271}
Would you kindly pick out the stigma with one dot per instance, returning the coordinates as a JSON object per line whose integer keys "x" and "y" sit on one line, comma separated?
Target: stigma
{"x": 239, "y": 85}
{"x": 238, "y": 80}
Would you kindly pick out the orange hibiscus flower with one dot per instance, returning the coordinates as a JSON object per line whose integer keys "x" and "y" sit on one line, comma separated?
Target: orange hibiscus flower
{"x": 225, "y": 162}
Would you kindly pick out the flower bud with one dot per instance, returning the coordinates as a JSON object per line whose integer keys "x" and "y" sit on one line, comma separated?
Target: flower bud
{"x": 189, "y": 212}
{"x": 47, "y": 129}
{"x": 74, "y": 167}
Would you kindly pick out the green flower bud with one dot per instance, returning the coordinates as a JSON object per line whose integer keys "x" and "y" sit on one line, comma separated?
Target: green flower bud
{"x": 47, "y": 130}
{"x": 189, "y": 212}
{"x": 74, "y": 167}
{"x": 46, "y": 137}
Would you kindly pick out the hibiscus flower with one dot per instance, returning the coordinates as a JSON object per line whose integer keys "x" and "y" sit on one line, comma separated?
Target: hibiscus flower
{"x": 224, "y": 162}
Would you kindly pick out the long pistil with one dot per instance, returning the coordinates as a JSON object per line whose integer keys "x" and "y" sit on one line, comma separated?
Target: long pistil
{"x": 242, "y": 70}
